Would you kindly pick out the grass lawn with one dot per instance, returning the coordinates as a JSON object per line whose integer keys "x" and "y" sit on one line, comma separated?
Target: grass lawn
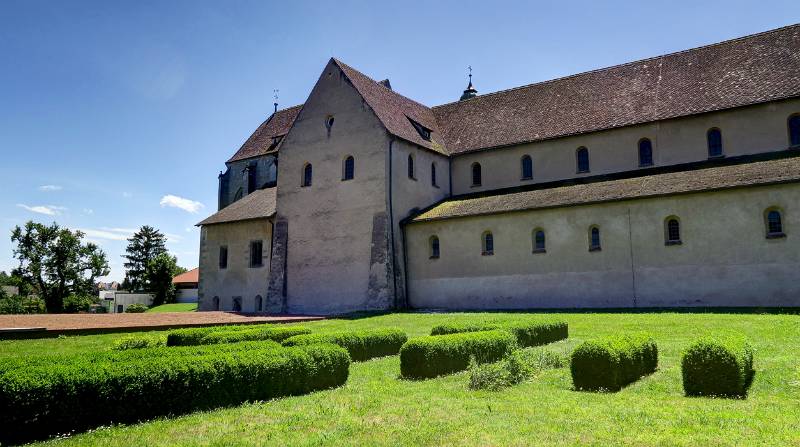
{"x": 175, "y": 307}
{"x": 377, "y": 408}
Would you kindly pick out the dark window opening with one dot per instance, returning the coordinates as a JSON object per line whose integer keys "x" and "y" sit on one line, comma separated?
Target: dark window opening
{"x": 423, "y": 131}
{"x": 645, "y": 152}
{"x": 594, "y": 239}
{"x": 794, "y": 130}
{"x": 411, "y": 167}
{"x": 215, "y": 303}
{"x": 538, "y": 241}
{"x": 673, "y": 232}
{"x": 527, "y": 167}
{"x": 329, "y": 122}
{"x": 251, "y": 178}
{"x": 582, "y": 160}
{"x": 714, "y": 143}
{"x": 433, "y": 174}
{"x": 275, "y": 141}
{"x": 259, "y": 304}
{"x": 256, "y": 253}
{"x": 349, "y": 168}
{"x": 307, "y": 174}
{"x": 223, "y": 257}
{"x": 488, "y": 244}
{"x": 237, "y": 304}
{"x": 434, "y": 247}
{"x": 774, "y": 224}
{"x": 476, "y": 174}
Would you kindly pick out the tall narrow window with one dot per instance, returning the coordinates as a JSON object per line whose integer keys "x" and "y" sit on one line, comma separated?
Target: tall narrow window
{"x": 223, "y": 257}
{"x": 714, "y": 137}
{"x": 794, "y": 130}
{"x": 308, "y": 174}
{"x": 774, "y": 224}
{"x": 258, "y": 306}
{"x": 645, "y": 152}
{"x": 594, "y": 238}
{"x": 672, "y": 231}
{"x": 476, "y": 174}
{"x": 433, "y": 174}
{"x": 488, "y": 243}
{"x": 349, "y": 168}
{"x": 582, "y": 159}
{"x": 251, "y": 177}
{"x": 237, "y": 304}
{"x": 538, "y": 241}
{"x": 434, "y": 242}
{"x": 527, "y": 167}
{"x": 256, "y": 253}
{"x": 215, "y": 303}
{"x": 411, "y": 167}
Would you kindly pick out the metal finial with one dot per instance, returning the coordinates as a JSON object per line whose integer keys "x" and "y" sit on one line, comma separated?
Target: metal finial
{"x": 275, "y": 98}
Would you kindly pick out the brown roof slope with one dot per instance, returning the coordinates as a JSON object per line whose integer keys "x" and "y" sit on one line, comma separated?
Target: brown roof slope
{"x": 748, "y": 70}
{"x": 260, "y": 142}
{"x": 724, "y": 177}
{"x": 256, "y": 205}
{"x": 394, "y": 109}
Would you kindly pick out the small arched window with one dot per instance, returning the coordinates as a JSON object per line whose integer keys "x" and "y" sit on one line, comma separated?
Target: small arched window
{"x": 433, "y": 174}
{"x": 714, "y": 137}
{"x": 582, "y": 159}
{"x": 411, "y": 167}
{"x": 215, "y": 303}
{"x": 476, "y": 174}
{"x": 434, "y": 247}
{"x": 538, "y": 241}
{"x": 307, "y": 174}
{"x": 348, "y": 170}
{"x": 645, "y": 152}
{"x": 259, "y": 304}
{"x": 774, "y": 221}
{"x": 527, "y": 167}
{"x": 794, "y": 130}
{"x": 594, "y": 238}
{"x": 672, "y": 231}
{"x": 329, "y": 122}
{"x": 237, "y": 304}
{"x": 487, "y": 243}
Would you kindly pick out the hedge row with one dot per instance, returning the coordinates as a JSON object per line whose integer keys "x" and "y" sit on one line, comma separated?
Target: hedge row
{"x": 47, "y": 399}
{"x": 437, "y": 355}
{"x": 223, "y": 334}
{"x": 718, "y": 367}
{"x": 612, "y": 362}
{"x": 528, "y": 333}
{"x": 138, "y": 341}
{"x": 362, "y": 345}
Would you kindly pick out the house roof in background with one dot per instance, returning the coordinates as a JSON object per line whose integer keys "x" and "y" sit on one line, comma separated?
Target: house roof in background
{"x": 192, "y": 276}
{"x": 256, "y": 205}
{"x": 261, "y": 141}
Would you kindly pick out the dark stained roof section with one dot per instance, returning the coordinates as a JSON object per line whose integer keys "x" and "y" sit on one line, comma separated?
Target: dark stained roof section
{"x": 261, "y": 141}
{"x": 786, "y": 170}
{"x": 739, "y": 72}
{"x": 256, "y": 205}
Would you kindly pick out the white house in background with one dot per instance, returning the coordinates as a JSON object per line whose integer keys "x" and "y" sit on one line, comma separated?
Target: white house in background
{"x": 186, "y": 286}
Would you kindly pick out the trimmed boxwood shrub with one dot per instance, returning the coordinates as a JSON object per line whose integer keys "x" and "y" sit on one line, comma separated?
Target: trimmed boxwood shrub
{"x": 45, "y": 399}
{"x": 138, "y": 341}
{"x": 718, "y": 366}
{"x": 362, "y": 345}
{"x": 197, "y": 335}
{"x": 528, "y": 333}
{"x": 437, "y": 355}
{"x": 610, "y": 363}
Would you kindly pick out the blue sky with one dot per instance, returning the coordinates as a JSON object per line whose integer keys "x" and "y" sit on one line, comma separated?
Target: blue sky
{"x": 119, "y": 114}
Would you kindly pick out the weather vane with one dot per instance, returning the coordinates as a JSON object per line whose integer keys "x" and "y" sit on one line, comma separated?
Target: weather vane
{"x": 470, "y": 73}
{"x": 275, "y": 98}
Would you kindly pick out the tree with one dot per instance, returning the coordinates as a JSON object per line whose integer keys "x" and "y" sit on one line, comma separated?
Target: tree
{"x": 160, "y": 272}
{"x": 143, "y": 247}
{"x": 56, "y": 262}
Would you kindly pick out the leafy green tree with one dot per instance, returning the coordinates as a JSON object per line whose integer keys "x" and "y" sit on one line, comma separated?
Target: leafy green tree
{"x": 160, "y": 272}
{"x": 57, "y": 262}
{"x": 143, "y": 247}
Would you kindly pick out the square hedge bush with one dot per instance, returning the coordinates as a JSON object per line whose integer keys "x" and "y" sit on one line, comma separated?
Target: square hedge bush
{"x": 610, "y": 363}
{"x": 718, "y": 366}
{"x": 436, "y": 355}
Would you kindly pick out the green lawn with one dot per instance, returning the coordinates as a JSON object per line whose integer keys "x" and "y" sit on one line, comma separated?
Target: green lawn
{"x": 377, "y": 408}
{"x": 175, "y": 307}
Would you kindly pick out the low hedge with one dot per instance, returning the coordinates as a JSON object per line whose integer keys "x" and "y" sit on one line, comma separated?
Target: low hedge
{"x": 138, "y": 341}
{"x": 610, "y": 363}
{"x": 437, "y": 355}
{"x": 229, "y": 334}
{"x": 362, "y": 345}
{"x": 528, "y": 333}
{"x": 46, "y": 399}
{"x": 718, "y": 366}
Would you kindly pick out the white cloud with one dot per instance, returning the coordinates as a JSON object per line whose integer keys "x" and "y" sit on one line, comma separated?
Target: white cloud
{"x": 49, "y": 210}
{"x": 105, "y": 233}
{"x": 51, "y": 188}
{"x": 190, "y": 206}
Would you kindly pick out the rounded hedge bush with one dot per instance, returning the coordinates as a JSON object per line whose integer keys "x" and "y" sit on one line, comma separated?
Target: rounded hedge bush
{"x": 610, "y": 363}
{"x": 436, "y": 355}
{"x": 718, "y": 366}
{"x": 362, "y": 345}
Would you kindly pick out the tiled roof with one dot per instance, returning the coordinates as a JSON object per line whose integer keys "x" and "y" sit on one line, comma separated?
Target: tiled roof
{"x": 724, "y": 177}
{"x": 256, "y": 205}
{"x": 260, "y": 142}
{"x": 192, "y": 276}
{"x": 749, "y": 70}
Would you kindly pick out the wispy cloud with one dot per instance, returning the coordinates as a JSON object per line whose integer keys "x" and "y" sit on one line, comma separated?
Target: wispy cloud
{"x": 49, "y": 210}
{"x": 48, "y": 188}
{"x": 88, "y": 211}
{"x": 190, "y": 206}
{"x": 109, "y": 234}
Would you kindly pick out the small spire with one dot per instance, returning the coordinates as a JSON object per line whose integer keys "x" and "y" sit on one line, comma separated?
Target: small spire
{"x": 470, "y": 92}
{"x": 275, "y": 99}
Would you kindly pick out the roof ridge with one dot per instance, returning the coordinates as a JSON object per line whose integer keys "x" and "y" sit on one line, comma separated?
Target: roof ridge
{"x": 624, "y": 64}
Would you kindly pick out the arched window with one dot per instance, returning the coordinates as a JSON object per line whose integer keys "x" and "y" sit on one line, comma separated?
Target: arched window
{"x": 672, "y": 231}
{"x": 645, "y": 152}
{"x": 329, "y": 122}
{"x": 594, "y": 238}
{"x": 794, "y": 130}
{"x": 487, "y": 243}
{"x": 215, "y": 303}
{"x": 538, "y": 241}
{"x": 582, "y": 159}
{"x": 774, "y": 221}
{"x": 433, "y": 174}
{"x": 307, "y": 174}
{"x": 476, "y": 174}
{"x": 259, "y": 304}
{"x": 238, "y": 195}
{"x": 411, "y": 167}
{"x": 348, "y": 170}
{"x": 434, "y": 245}
{"x": 237, "y": 304}
{"x": 714, "y": 136}
{"x": 527, "y": 167}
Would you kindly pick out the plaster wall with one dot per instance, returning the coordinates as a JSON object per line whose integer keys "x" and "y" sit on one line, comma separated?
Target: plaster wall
{"x": 235, "y": 178}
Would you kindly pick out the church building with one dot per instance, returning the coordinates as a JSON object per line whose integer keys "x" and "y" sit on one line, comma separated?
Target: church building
{"x": 672, "y": 181}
